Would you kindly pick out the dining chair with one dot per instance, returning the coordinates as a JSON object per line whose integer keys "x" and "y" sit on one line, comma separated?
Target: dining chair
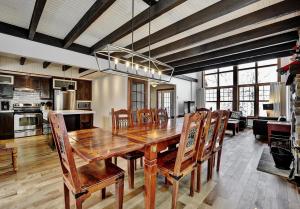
{"x": 123, "y": 119}
{"x": 161, "y": 116}
{"x": 182, "y": 162}
{"x": 206, "y": 145}
{"x": 217, "y": 150}
{"x": 86, "y": 179}
{"x": 145, "y": 117}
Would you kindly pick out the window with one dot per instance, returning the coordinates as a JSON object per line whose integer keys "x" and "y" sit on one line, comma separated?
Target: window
{"x": 211, "y": 80}
{"x": 226, "y": 98}
{"x": 264, "y": 95}
{"x": 267, "y": 62}
{"x": 137, "y": 97}
{"x": 246, "y": 76}
{"x": 267, "y": 74}
{"x": 226, "y": 79}
{"x": 211, "y": 98}
{"x": 247, "y": 65}
{"x": 246, "y": 97}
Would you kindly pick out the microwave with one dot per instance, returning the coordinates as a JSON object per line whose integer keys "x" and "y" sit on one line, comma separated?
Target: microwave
{"x": 84, "y": 105}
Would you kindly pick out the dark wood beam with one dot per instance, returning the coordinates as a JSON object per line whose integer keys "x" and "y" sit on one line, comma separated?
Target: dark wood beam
{"x": 46, "y": 64}
{"x": 139, "y": 20}
{"x": 22, "y": 60}
{"x": 96, "y": 10}
{"x": 66, "y": 67}
{"x": 35, "y": 18}
{"x": 236, "y": 57}
{"x": 261, "y": 43}
{"x": 81, "y": 70}
{"x": 267, "y": 30}
{"x": 214, "y": 11}
{"x": 151, "y": 2}
{"x": 276, "y": 10}
{"x": 237, "y": 62}
{"x": 186, "y": 78}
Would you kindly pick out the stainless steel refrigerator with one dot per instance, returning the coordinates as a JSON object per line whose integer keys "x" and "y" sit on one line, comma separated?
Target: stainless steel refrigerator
{"x": 64, "y": 100}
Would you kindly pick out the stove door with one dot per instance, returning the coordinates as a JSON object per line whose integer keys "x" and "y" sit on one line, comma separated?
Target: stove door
{"x": 25, "y": 121}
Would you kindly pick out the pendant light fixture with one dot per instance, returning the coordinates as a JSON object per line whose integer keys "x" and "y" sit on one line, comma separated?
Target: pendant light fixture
{"x": 64, "y": 88}
{"x": 71, "y": 86}
{"x": 127, "y": 62}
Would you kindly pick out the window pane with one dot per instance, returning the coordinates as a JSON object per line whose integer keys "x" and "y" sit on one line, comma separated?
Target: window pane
{"x": 247, "y": 93}
{"x": 226, "y": 79}
{"x": 247, "y": 108}
{"x": 211, "y": 80}
{"x": 226, "y": 105}
{"x": 246, "y": 65}
{"x": 267, "y": 62}
{"x": 264, "y": 92}
{"x": 262, "y": 112}
{"x": 247, "y": 76}
{"x": 211, "y": 94}
{"x": 211, "y": 71}
{"x": 224, "y": 69}
{"x": 226, "y": 94}
{"x": 267, "y": 74}
{"x": 211, "y": 105}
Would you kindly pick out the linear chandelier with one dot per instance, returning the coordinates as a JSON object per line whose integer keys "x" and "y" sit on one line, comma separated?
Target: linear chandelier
{"x": 127, "y": 62}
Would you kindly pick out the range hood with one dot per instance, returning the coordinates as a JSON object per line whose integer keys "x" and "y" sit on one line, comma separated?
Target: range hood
{"x": 27, "y": 87}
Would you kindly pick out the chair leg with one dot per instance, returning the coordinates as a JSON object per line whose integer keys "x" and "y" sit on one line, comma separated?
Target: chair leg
{"x": 78, "y": 203}
{"x": 198, "y": 177}
{"x": 141, "y": 162}
{"x": 130, "y": 168}
{"x": 219, "y": 160}
{"x": 115, "y": 160}
{"x": 208, "y": 169}
{"x": 119, "y": 193}
{"x": 103, "y": 193}
{"x": 135, "y": 165}
{"x": 175, "y": 193}
{"x": 192, "y": 183}
{"x": 67, "y": 197}
{"x": 14, "y": 159}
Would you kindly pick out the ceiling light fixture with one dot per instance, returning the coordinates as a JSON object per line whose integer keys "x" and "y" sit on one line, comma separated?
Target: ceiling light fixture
{"x": 126, "y": 62}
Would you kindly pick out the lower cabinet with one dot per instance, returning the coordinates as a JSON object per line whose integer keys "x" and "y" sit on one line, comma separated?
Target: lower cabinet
{"x": 78, "y": 121}
{"x": 7, "y": 125}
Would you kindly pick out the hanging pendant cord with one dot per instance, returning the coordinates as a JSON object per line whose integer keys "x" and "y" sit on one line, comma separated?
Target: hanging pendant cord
{"x": 132, "y": 16}
{"x": 149, "y": 36}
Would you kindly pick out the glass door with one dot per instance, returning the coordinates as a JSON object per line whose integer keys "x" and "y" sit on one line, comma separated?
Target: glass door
{"x": 165, "y": 100}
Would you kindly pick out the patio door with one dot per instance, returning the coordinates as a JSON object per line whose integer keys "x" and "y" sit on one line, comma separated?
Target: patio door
{"x": 165, "y": 100}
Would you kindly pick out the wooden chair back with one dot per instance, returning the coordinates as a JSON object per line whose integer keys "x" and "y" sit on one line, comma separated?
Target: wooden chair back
{"x": 64, "y": 149}
{"x": 200, "y": 109}
{"x": 121, "y": 118}
{"x": 161, "y": 116}
{"x": 189, "y": 140}
{"x": 209, "y": 135}
{"x": 145, "y": 116}
{"x": 224, "y": 117}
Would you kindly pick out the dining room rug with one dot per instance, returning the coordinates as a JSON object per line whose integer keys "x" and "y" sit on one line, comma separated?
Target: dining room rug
{"x": 266, "y": 164}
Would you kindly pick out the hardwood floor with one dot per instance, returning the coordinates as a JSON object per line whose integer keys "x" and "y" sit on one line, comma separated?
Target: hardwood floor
{"x": 38, "y": 182}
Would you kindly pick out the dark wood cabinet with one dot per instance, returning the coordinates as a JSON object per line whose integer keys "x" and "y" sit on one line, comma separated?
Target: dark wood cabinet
{"x": 24, "y": 81}
{"x": 84, "y": 90}
{"x": 86, "y": 121}
{"x": 20, "y": 81}
{"x": 45, "y": 86}
{"x": 7, "y": 125}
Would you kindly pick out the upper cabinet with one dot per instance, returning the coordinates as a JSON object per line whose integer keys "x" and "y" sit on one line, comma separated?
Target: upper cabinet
{"x": 45, "y": 85}
{"x": 84, "y": 90}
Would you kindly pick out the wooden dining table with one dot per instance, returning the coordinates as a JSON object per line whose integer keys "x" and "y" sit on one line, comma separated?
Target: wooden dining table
{"x": 98, "y": 144}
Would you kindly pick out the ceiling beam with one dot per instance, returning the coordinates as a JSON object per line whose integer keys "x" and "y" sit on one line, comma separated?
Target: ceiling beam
{"x": 22, "y": 60}
{"x": 267, "y": 30}
{"x": 139, "y": 20}
{"x": 186, "y": 78}
{"x": 237, "y": 62}
{"x": 81, "y": 70}
{"x": 261, "y": 43}
{"x": 46, "y": 64}
{"x": 151, "y": 2}
{"x": 236, "y": 57}
{"x": 35, "y": 18}
{"x": 209, "y": 13}
{"x": 276, "y": 10}
{"x": 96, "y": 10}
{"x": 66, "y": 67}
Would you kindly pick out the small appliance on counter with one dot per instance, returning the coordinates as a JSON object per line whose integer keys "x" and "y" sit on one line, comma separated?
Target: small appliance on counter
{"x": 84, "y": 105}
{"x": 5, "y": 105}
{"x": 28, "y": 120}
{"x": 189, "y": 107}
{"x": 64, "y": 100}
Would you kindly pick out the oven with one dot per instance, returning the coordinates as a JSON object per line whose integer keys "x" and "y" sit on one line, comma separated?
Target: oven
{"x": 28, "y": 124}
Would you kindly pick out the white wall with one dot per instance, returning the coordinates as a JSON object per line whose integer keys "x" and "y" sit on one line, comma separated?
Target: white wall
{"x": 109, "y": 91}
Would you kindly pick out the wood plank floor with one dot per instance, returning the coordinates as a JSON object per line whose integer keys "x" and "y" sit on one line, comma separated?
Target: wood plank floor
{"x": 38, "y": 183}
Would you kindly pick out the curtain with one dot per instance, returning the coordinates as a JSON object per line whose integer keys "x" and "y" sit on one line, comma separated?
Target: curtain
{"x": 276, "y": 98}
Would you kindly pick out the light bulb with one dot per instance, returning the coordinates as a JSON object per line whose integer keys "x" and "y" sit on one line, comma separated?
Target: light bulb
{"x": 116, "y": 61}
{"x": 127, "y": 64}
{"x": 136, "y": 66}
{"x": 152, "y": 71}
{"x": 145, "y": 69}
{"x": 159, "y": 72}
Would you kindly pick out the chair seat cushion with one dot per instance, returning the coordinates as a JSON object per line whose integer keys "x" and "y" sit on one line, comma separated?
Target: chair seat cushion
{"x": 167, "y": 167}
{"x": 98, "y": 172}
{"x": 133, "y": 155}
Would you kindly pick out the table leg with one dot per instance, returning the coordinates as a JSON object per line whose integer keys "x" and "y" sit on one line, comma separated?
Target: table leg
{"x": 150, "y": 171}
{"x": 14, "y": 159}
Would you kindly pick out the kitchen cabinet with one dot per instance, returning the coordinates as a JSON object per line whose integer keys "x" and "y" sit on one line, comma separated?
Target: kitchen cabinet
{"x": 86, "y": 121}
{"x": 84, "y": 90}
{"x": 45, "y": 86}
{"x": 78, "y": 121}
{"x": 24, "y": 81}
{"x": 7, "y": 125}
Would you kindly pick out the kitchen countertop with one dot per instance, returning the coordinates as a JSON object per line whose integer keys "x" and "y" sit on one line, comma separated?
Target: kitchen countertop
{"x": 6, "y": 111}
{"x": 73, "y": 112}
